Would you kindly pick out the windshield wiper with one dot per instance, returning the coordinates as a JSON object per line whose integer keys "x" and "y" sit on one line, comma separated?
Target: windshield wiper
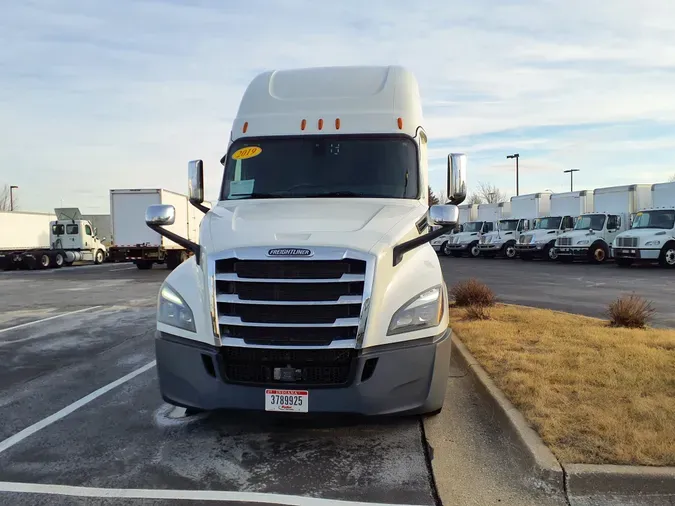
{"x": 257, "y": 195}
{"x": 334, "y": 195}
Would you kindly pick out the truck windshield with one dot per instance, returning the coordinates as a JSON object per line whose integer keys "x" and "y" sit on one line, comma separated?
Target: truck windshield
{"x": 590, "y": 221}
{"x": 551, "y": 223}
{"x": 472, "y": 226}
{"x": 655, "y": 219}
{"x": 508, "y": 225}
{"x": 321, "y": 166}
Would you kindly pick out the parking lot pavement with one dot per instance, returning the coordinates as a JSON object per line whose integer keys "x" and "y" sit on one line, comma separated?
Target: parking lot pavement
{"x": 577, "y": 288}
{"x": 83, "y": 421}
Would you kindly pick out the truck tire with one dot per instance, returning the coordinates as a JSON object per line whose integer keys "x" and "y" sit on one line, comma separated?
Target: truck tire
{"x": 598, "y": 253}
{"x": 667, "y": 256}
{"x": 474, "y": 252}
{"x": 144, "y": 265}
{"x": 44, "y": 261}
{"x": 441, "y": 250}
{"x": 99, "y": 257}
{"x": 59, "y": 259}
{"x": 510, "y": 250}
{"x": 550, "y": 253}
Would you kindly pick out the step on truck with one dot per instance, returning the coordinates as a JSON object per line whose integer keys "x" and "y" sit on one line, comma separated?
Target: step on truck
{"x": 595, "y": 231}
{"x": 134, "y": 242}
{"x": 313, "y": 287}
{"x": 467, "y": 213}
{"x": 651, "y": 237}
{"x": 523, "y": 210}
{"x": 45, "y": 240}
{"x": 539, "y": 242}
{"x": 466, "y": 242}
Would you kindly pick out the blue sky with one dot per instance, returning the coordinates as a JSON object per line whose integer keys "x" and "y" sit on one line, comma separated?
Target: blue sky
{"x": 100, "y": 95}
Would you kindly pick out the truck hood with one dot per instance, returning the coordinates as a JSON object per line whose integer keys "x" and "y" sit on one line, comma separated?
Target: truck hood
{"x": 541, "y": 234}
{"x": 461, "y": 237}
{"x": 347, "y": 223}
{"x": 647, "y": 234}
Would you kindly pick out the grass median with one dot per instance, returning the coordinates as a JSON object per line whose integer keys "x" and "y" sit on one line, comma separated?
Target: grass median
{"x": 596, "y": 394}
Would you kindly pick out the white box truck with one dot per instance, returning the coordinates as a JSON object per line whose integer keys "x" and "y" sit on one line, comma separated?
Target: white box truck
{"x": 134, "y": 242}
{"x": 314, "y": 287}
{"x": 467, "y": 213}
{"x": 524, "y": 210}
{"x": 45, "y": 240}
{"x": 652, "y": 234}
{"x": 594, "y": 232}
{"x": 539, "y": 242}
{"x": 466, "y": 241}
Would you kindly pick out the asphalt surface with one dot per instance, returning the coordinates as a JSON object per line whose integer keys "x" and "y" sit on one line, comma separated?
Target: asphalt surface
{"x": 576, "y": 288}
{"x": 80, "y": 407}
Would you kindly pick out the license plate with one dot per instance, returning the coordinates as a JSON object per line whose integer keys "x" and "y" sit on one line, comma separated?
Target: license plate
{"x": 296, "y": 401}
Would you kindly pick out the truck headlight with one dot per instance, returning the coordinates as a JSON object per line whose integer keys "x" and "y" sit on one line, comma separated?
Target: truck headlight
{"x": 423, "y": 311}
{"x": 582, "y": 242}
{"x": 653, "y": 243}
{"x": 173, "y": 310}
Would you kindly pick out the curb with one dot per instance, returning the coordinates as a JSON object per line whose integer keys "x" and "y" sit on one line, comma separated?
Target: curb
{"x": 532, "y": 451}
{"x": 574, "y": 480}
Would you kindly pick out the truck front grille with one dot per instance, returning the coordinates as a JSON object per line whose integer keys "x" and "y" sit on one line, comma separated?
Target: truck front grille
{"x": 262, "y": 366}
{"x": 564, "y": 241}
{"x": 627, "y": 242}
{"x": 289, "y": 302}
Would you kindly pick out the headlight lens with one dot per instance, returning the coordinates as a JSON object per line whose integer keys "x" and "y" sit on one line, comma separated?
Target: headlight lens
{"x": 424, "y": 311}
{"x": 173, "y": 310}
{"x": 653, "y": 243}
{"x": 583, "y": 241}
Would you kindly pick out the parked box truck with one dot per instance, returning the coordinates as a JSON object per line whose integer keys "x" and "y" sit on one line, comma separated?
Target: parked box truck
{"x": 314, "y": 287}
{"x": 565, "y": 207}
{"x": 594, "y": 232}
{"x": 466, "y": 241}
{"x": 44, "y": 240}
{"x": 467, "y": 213}
{"x": 652, "y": 234}
{"x": 134, "y": 242}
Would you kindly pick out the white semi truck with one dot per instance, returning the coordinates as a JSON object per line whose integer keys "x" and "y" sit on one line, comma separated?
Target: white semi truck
{"x": 467, "y": 213}
{"x": 524, "y": 209}
{"x": 595, "y": 231}
{"x": 45, "y": 240}
{"x": 466, "y": 241}
{"x": 314, "y": 287}
{"x": 539, "y": 242}
{"x": 134, "y": 242}
{"x": 652, "y": 235}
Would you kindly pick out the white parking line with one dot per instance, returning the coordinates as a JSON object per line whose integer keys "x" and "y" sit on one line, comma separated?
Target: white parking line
{"x": 29, "y": 431}
{"x": 47, "y": 319}
{"x": 188, "y": 495}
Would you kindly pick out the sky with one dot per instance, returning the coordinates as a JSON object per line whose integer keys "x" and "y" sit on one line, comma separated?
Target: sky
{"x": 101, "y": 95}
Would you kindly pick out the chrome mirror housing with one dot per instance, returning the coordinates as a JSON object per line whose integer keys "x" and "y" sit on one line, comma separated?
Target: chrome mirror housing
{"x": 160, "y": 214}
{"x": 444, "y": 215}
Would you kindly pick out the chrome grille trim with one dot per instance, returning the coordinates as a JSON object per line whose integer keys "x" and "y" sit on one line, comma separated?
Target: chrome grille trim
{"x": 339, "y": 322}
{"x": 234, "y": 299}
{"x": 346, "y": 278}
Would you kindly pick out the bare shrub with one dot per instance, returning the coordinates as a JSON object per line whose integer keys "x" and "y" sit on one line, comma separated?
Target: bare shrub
{"x": 630, "y": 311}
{"x": 476, "y": 312}
{"x": 472, "y": 293}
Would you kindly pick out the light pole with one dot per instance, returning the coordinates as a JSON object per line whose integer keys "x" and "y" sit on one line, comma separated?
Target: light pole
{"x": 571, "y": 171}
{"x": 11, "y": 196}
{"x": 516, "y": 156}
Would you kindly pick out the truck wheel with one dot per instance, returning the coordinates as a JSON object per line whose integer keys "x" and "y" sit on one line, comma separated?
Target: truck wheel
{"x": 624, "y": 262}
{"x": 598, "y": 253}
{"x": 144, "y": 265}
{"x": 667, "y": 256}
{"x": 441, "y": 250}
{"x": 474, "y": 251}
{"x": 99, "y": 257}
{"x": 510, "y": 250}
{"x": 550, "y": 253}
{"x": 59, "y": 259}
{"x": 45, "y": 261}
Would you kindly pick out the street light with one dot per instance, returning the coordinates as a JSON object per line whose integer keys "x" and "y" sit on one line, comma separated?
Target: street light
{"x": 11, "y": 196}
{"x": 571, "y": 172}
{"x": 516, "y": 156}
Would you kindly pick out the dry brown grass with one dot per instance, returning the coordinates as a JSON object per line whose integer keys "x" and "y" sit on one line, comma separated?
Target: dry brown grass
{"x": 477, "y": 312}
{"x": 472, "y": 293}
{"x": 630, "y": 311}
{"x": 596, "y": 394}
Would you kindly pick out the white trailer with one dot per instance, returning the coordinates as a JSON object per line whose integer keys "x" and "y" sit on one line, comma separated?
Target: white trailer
{"x": 467, "y": 213}
{"x": 564, "y": 208}
{"x": 43, "y": 240}
{"x": 466, "y": 241}
{"x": 652, "y": 235}
{"x": 594, "y": 232}
{"x": 524, "y": 209}
{"x": 134, "y": 242}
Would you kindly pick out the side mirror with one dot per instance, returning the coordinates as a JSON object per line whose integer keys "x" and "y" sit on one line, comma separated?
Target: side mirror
{"x": 160, "y": 214}
{"x": 196, "y": 181}
{"x": 443, "y": 215}
{"x": 456, "y": 178}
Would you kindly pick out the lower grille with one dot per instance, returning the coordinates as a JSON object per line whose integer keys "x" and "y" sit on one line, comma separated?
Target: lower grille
{"x": 564, "y": 241}
{"x": 627, "y": 242}
{"x": 259, "y": 366}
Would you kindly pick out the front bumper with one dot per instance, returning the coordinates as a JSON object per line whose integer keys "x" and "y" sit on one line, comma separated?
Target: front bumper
{"x": 651, "y": 254}
{"x": 574, "y": 251}
{"x": 530, "y": 249}
{"x": 458, "y": 247}
{"x": 407, "y": 378}
{"x": 490, "y": 247}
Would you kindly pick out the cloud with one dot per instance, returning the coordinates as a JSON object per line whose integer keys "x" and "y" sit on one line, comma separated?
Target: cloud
{"x": 122, "y": 94}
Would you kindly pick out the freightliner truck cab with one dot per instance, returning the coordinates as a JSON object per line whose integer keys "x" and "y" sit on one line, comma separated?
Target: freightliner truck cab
{"x": 314, "y": 287}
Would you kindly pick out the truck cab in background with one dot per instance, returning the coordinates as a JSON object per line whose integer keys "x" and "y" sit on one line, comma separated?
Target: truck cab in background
{"x": 467, "y": 213}
{"x": 651, "y": 237}
{"x": 594, "y": 232}
{"x": 466, "y": 241}
{"x": 313, "y": 287}
{"x": 78, "y": 240}
{"x": 503, "y": 240}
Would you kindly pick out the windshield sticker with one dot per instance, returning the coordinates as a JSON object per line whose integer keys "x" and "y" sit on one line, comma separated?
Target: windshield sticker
{"x": 248, "y": 152}
{"x": 639, "y": 214}
{"x": 239, "y": 189}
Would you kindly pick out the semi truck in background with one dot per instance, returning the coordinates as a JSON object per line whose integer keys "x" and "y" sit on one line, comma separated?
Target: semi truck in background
{"x": 45, "y": 240}
{"x": 594, "y": 232}
{"x": 466, "y": 241}
{"x": 524, "y": 210}
{"x": 467, "y": 213}
{"x": 133, "y": 241}
{"x": 539, "y": 242}
{"x": 314, "y": 288}
{"x": 651, "y": 237}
